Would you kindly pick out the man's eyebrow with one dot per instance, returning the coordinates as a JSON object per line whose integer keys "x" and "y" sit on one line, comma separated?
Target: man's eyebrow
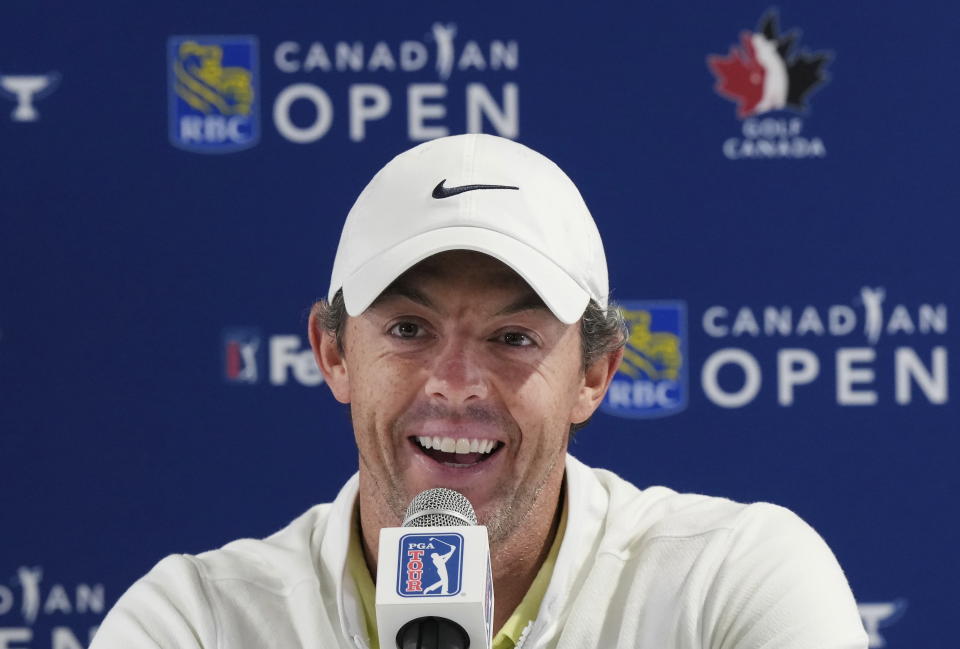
{"x": 528, "y": 302}
{"x": 399, "y": 289}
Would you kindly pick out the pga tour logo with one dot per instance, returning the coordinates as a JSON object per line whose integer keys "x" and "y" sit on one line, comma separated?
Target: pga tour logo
{"x": 429, "y": 566}
{"x": 242, "y": 355}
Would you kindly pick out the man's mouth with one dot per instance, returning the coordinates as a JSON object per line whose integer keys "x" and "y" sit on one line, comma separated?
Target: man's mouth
{"x": 457, "y": 453}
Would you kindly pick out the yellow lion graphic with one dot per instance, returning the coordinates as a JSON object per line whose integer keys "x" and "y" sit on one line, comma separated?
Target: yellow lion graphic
{"x": 654, "y": 354}
{"x": 207, "y": 86}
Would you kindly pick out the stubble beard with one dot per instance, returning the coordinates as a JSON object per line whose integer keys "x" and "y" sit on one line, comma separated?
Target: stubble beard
{"x": 386, "y": 485}
{"x": 392, "y": 495}
{"x": 513, "y": 503}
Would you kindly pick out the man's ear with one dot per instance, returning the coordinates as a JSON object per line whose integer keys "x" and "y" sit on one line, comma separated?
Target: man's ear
{"x": 596, "y": 380}
{"x": 329, "y": 359}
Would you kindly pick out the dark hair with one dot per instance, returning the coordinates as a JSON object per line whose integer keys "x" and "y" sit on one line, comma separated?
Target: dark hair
{"x": 602, "y": 330}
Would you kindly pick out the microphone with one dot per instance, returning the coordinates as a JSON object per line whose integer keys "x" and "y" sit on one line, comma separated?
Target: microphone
{"x": 434, "y": 581}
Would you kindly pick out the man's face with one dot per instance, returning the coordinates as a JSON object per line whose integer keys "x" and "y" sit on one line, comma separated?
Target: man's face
{"x": 459, "y": 353}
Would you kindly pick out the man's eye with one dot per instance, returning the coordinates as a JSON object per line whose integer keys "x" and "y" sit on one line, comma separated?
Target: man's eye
{"x": 517, "y": 339}
{"x": 406, "y": 330}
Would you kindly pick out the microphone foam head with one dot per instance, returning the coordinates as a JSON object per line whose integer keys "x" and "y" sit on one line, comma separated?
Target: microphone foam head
{"x": 439, "y": 507}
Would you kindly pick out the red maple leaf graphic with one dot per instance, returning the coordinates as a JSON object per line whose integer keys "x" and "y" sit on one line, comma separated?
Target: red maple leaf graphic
{"x": 739, "y": 75}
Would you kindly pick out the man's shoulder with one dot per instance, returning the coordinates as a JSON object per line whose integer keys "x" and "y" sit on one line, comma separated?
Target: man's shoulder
{"x": 274, "y": 563}
{"x": 287, "y": 554}
{"x": 313, "y": 546}
{"x": 660, "y": 513}
{"x": 693, "y": 569}
{"x": 232, "y": 596}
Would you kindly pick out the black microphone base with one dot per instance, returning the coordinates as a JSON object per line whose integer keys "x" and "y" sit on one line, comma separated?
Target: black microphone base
{"x": 432, "y": 633}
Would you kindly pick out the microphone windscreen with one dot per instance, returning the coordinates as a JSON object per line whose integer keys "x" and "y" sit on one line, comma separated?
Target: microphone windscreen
{"x": 439, "y": 507}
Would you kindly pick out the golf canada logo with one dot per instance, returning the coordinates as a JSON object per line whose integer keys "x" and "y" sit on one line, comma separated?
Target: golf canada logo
{"x": 769, "y": 76}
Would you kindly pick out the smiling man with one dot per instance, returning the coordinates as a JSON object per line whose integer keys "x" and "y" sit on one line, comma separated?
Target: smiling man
{"x": 468, "y": 328}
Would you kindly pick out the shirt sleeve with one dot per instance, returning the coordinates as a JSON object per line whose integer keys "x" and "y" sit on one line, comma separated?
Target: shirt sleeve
{"x": 166, "y": 609}
{"x": 780, "y": 587}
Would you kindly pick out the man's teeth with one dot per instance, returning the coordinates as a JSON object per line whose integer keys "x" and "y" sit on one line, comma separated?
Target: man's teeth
{"x": 461, "y": 445}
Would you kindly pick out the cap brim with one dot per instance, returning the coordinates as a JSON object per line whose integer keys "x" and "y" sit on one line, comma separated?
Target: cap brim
{"x": 562, "y": 295}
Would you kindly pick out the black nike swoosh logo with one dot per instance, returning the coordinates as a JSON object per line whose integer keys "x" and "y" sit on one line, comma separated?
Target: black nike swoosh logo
{"x": 446, "y": 192}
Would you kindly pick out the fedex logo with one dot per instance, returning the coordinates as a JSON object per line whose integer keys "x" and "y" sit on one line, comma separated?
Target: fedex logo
{"x": 429, "y": 565}
{"x": 246, "y": 353}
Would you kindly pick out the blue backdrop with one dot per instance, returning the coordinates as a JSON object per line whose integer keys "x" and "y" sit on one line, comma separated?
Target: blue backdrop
{"x": 776, "y": 187}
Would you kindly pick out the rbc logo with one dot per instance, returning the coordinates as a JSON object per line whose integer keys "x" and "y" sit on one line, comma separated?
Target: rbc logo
{"x": 652, "y": 379}
{"x": 429, "y": 566}
{"x": 213, "y": 90}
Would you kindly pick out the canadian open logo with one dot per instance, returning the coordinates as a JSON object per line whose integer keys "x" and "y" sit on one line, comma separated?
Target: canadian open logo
{"x": 360, "y": 87}
{"x": 37, "y": 611}
{"x": 872, "y": 350}
{"x": 770, "y": 77}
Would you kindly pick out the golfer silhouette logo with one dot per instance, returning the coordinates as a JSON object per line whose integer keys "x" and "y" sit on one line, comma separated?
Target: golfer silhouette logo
{"x": 440, "y": 561}
{"x": 429, "y": 565}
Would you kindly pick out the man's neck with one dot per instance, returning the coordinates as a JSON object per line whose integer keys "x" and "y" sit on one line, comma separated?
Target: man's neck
{"x": 515, "y": 559}
{"x": 518, "y": 559}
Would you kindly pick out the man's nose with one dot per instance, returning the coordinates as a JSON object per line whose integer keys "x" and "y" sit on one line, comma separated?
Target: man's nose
{"x": 456, "y": 374}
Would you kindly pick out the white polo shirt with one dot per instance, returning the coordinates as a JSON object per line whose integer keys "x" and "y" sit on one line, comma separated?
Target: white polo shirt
{"x": 646, "y": 569}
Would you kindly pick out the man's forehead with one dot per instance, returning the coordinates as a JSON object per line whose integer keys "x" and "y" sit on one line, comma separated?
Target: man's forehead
{"x": 459, "y": 262}
{"x": 426, "y": 277}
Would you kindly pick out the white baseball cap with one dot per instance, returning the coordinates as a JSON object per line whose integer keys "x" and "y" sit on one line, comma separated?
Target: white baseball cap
{"x": 473, "y": 192}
